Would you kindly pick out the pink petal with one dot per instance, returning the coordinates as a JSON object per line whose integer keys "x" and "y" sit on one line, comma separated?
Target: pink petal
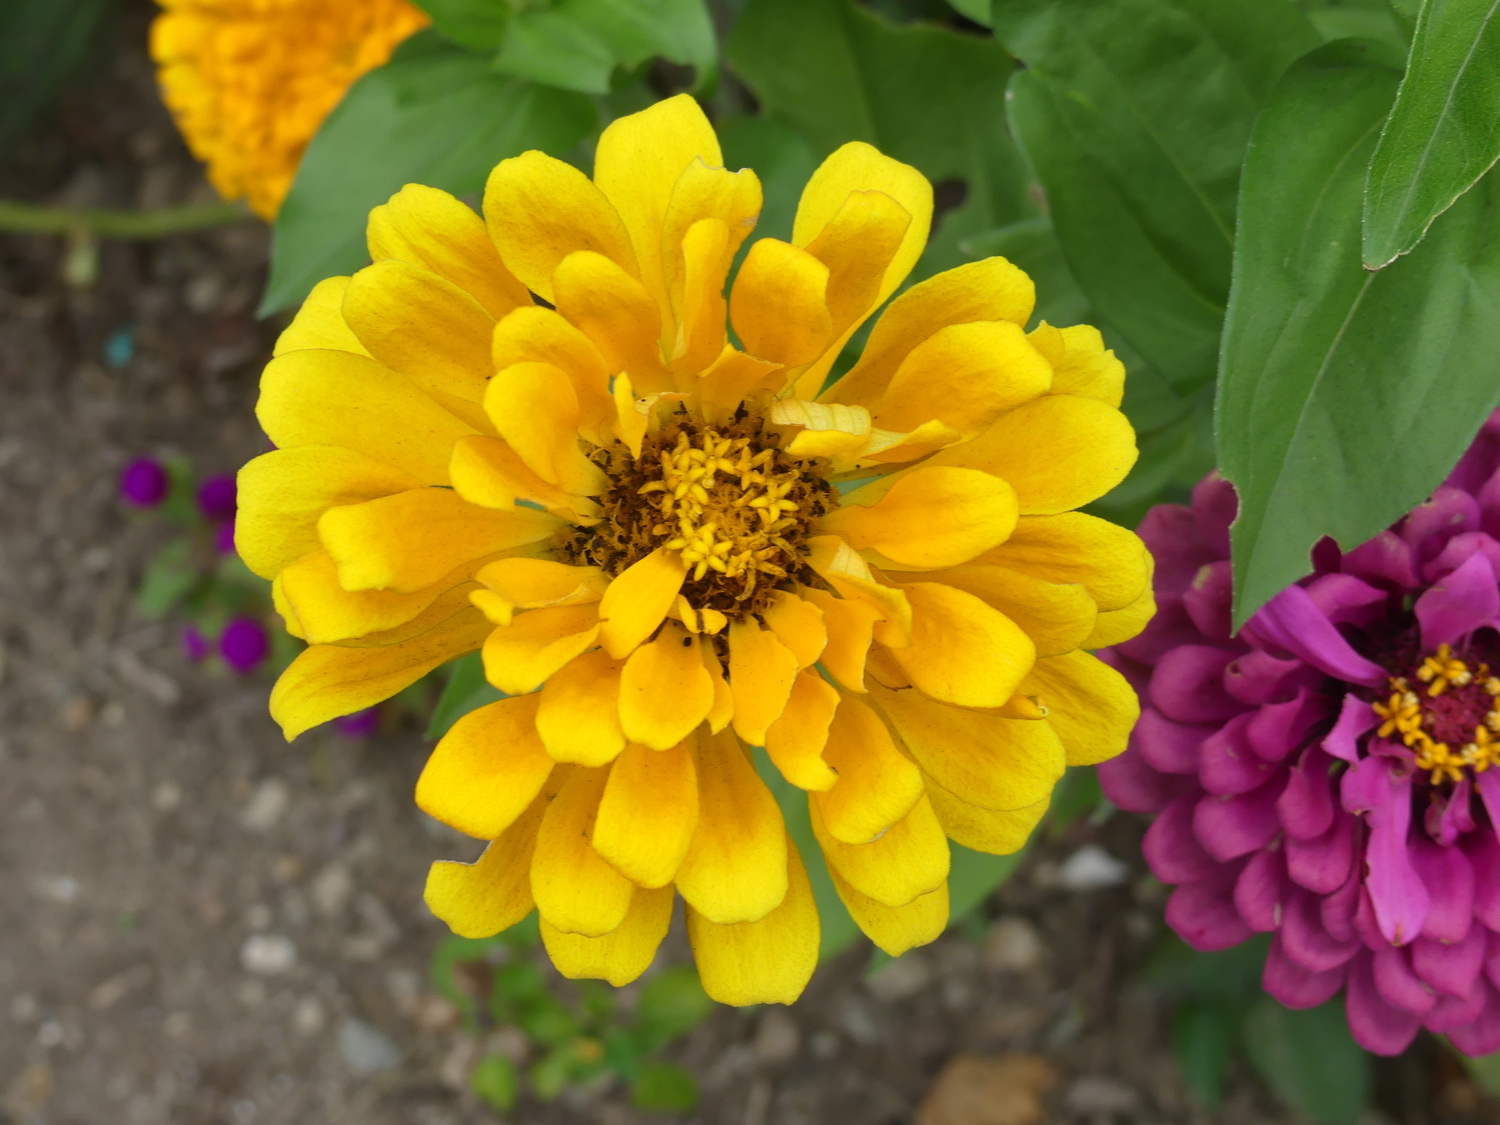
{"x": 1292, "y": 621}
{"x": 1171, "y": 534}
{"x": 1449, "y": 879}
{"x": 1203, "y": 912}
{"x": 1385, "y": 559}
{"x": 1304, "y": 938}
{"x": 1398, "y": 985}
{"x": 1209, "y": 598}
{"x": 1258, "y": 677}
{"x": 1259, "y": 890}
{"x": 1450, "y": 815}
{"x": 1189, "y": 685}
{"x": 1481, "y": 1036}
{"x": 1306, "y": 805}
{"x": 1376, "y": 1025}
{"x": 1171, "y": 848}
{"x": 1226, "y": 762}
{"x": 1450, "y": 968}
{"x": 1452, "y": 1011}
{"x": 1484, "y": 860}
{"x": 1337, "y": 911}
{"x": 1228, "y": 827}
{"x": 1459, "y": 550}
{"x": 1170, "y": 627}
{"x": 1295, "y": 986}
{"x": 1168, "y": 746}
{"x": 1449, "y": 512}
{"x": 1214, "y": 507}
{"x": 1323, "y": 864}
{"x": 1356, "y": 719}
{"x": 1134, "y": 786}
{"x": 1459, "y": 604}
{"x": 1280, "y": 728}
{"x": 1345, "y": 600}
{"x": 1397, "y": 892}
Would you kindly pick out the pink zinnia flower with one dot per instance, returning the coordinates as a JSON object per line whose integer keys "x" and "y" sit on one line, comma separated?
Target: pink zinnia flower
{"x": 1326, "y": 774}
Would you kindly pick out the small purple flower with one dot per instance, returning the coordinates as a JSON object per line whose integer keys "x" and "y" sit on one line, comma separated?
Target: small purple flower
{"x": 361, "y": 724}
{"x": 216, "y": 498}
{"x": 244, "y": 643}
{"x": 144, "y": 483}
{"x": 224, "y": 538}
{"x": 1331, "y": 774}
{"x": 194, "y": 644}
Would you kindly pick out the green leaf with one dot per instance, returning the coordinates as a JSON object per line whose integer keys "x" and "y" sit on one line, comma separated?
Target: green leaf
{"x": 783, "y": 160}
{"x": 43, "y": 43}
{"x": 466, "y": 690}
{"x": 671, "y": 1004}
{"x": 1309, "y": 1059}
{"x": 973, "y": 875}
{"x": 976, "y": 10}
{"x": 170, "y": 577}
{"x": 925, "y": 95}
{"x": 1359, "y": 19}
{"x": 664, "y": 1087}
{"x": 1345, "y": 396}
{"x": 496, "y": 1082}
{"x": 433, "y": 115}
{"x": 478, "y": 25}
{"x": 1135, "y": 115}
{"x": 1444, "y": 130}
{"x": 577, "y": 44}
{"x": 1203, "y": 1036}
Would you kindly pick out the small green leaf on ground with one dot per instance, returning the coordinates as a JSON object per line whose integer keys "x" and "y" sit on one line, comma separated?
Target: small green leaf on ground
{"x": 664, "y": 1087}
{"x": 496, "y": 1082}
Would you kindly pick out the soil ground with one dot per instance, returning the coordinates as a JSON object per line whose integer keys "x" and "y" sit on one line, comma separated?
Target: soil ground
{"x": 201, "y": 923}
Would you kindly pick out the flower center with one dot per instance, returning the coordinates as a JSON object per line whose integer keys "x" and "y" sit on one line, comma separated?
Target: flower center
{"x": 728, "y": 500}
{"x": 1448, "y": 713}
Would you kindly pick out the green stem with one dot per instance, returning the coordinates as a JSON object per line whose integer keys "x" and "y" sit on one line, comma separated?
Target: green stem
{"x": 26, "y": 218}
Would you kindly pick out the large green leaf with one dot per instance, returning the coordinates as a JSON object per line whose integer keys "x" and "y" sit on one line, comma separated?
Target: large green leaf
{"x": 577, "y": 44}
{"x": 1444, "y": 130}
{"x": 43, "y": 43}
{"x": 928, "y": 96}
{"x": 1344, "y": 395}
{"x": 1309, "y": 1059}
{"x": 433, "y": 115}
{"x": 1135, "y": 115}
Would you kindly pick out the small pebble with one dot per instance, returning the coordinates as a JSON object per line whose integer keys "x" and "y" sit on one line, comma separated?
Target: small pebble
{"x": 309, "y": 1016}
{"x": 266, "y": 805}
{"x": 857, "y": 1022}
{"x": 1091, "y": 868}
{"x": 899, "y": 979}
{"x": 1095, "y": 1094}
{"x": 331, "y": 889}
{"x": 366, "y": 1048}
{"x": 267, "y": 954}
{"x": 777, "y": 1038}
{"x": 1013, "y": 945}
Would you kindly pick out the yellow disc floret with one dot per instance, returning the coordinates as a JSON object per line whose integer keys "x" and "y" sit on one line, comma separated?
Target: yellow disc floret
{"x": 249, "y": 81}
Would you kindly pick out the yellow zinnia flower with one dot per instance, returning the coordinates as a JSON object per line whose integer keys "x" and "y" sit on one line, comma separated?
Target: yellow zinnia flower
{"x": 249, "y": 81}
{"x": 530, "y": 433}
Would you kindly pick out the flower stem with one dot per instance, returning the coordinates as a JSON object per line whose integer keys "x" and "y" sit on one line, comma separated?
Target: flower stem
{"x": 25, "y": 218}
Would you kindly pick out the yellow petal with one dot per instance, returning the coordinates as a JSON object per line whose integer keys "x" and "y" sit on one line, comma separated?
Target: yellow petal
{"x": 486, "y": 770}
{"x": 734, "y": 376}
{"x": 535, "y": 409}
{"x": 904, "y": 863}
{"x": 767, "y": 961}
{"x": 962, "y": 651}
{"x": 876, "y": 786}
{"x": 927, "y": 517}
{"x": 494, "y": 893}
{"x": 579, "y": 716}
{"x": 841, "y": 566}
{"x": 1059, "y": 452}
{"x": 858, "y": 167}
{"x": 637, "y": 164}
{"x": 735, "y": 869}
{"x": 621, "y": 955}
{"x": 997, "y": 763}
{"x": 995, "y": 832}
{"x": 761, "y": 671}
{"x": 1057, "y": 618}
{"x": 412, "y": 539}
{"x": 423, "y": 326}
{"x": 519, "y": 657}
{"x": 798, "y": 624}
{"x": 613, "y": 310}
{"x": 700, "y": 335}
{"x": 829, "y": 429}
{"x": 334, "y": 398}
{"x": 637, "y": 601}
{"x": 711, "y": 213}
{"x": 539, "y": 210}
{"x": 850, "y": 625}
{"x": 319, "y": 323}
{"x": 857, "y": 245}
{"x": 488, "y": 472}
{"x": 777, "y": 304}
{"x": 1091, "y": 706}
{"x": 966, "y": 376}
{"x": 432, "y": 229}
{"x": 326, "y": 681}
{"x": 520, "y": 583}
{"x": 895, "y": 929}
{"x": 537, "y": 335}
{"x": 1083, "y": 366}
{"x": 327, "y": 613}
{"x": 795, "y": 741}
{"x": 1110, "y": 562}
{"x": 1114, "y": 626}
{"x": 575, "y": 890}
{"x": 723, "y": 709}
{"x": 664, "y": 690}
{"x": 993, "y": 289}
{"x": 648, "y": 813}
{"x": 282, "y": 494}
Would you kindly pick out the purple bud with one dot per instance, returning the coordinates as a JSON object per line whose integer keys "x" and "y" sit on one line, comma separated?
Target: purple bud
{"x": 244, "y": 644}
{"x": 144, "y": 483}
{"x": 224, "y": 538}
{"x": 194, "y": 644}
{"x": 361, "y": 724}
{"x": 216, "y": 498}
